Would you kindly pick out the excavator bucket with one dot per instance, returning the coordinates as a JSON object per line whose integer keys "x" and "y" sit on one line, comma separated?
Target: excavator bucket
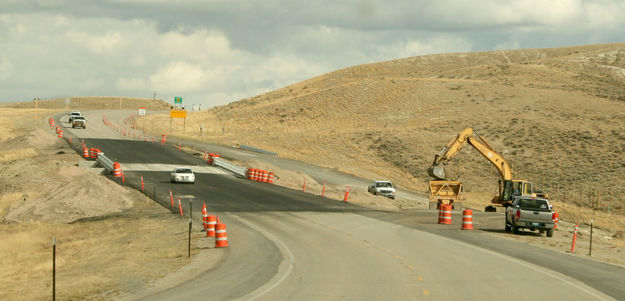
{"x": 437, "y": 172}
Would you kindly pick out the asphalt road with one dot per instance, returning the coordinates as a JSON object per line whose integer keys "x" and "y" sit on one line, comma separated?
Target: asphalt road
{"x": 289, "y": 245}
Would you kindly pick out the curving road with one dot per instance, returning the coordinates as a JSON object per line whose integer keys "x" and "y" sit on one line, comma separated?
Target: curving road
{"x": 289, "y": 245}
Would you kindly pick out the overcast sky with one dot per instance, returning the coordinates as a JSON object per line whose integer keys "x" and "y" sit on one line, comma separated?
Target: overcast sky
{"x": 214, "y": 52}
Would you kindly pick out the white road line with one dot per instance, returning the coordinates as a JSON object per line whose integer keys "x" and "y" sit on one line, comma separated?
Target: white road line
{"x": 170, "y": 167}
{"x": 284, "y": 270}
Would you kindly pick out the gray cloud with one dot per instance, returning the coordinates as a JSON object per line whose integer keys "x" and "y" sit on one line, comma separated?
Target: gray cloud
{"x": 214, "y": 52}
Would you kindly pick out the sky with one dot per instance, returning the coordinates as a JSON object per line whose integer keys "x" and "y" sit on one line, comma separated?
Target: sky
{"x": 213, "y": 52}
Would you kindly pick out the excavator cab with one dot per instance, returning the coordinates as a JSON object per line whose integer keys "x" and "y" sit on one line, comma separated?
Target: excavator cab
{"x": 512, "y": 188}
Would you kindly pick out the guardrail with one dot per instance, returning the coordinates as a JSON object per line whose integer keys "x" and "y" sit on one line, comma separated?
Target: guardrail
{"x": 237, "y": 170}
{"x": 105, "y": 162}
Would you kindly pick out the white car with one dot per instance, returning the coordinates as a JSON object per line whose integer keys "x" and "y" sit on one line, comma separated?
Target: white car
{"x": 73, "y": 114}
{"x": 182, "y": 175}
{"x": 384, "y": 188}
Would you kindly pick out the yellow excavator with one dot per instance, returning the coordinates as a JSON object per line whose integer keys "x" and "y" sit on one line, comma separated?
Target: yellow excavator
{"x": 508, "y": 187}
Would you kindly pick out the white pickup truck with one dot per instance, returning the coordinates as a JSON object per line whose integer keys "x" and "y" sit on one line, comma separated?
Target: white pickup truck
{"x": 384, "y": 188}
{"x": 533, "y": 213}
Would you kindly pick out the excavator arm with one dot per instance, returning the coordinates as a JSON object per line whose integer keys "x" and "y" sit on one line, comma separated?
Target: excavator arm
{"x": 471, "y": 137}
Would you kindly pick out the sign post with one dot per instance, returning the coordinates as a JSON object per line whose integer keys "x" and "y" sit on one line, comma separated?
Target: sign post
{"x": 177, "y": 114}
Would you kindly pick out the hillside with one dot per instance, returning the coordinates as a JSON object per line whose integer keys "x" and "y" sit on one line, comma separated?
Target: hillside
{"x": 557, "y": 115}
{"x": 90, "y": 103}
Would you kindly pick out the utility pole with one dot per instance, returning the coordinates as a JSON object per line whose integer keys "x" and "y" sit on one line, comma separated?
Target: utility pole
{"x": 154, "y": 97}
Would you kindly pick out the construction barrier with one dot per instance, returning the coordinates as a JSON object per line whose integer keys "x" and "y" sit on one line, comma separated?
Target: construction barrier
{"x": 171, "y": 197}
{"x": 574, "y": 238}
{"x": 180, "y": 207}
{"x": 142, "y": 184}
{"x": 211, "y": 221}
{"x": 221, "y": 236}
{"x": 467, "y": 219}
{"x": 204, "y": 218}
{"x": 265, "y": 176}
{"x": 556, "y": 219}
{"x": 256, "y": 174}
{"x": 323, "y": 190}
{"x": 93, "y": 152}
{"x": 346, "y": 194}
{"x": 117, "y": 170}
{"x": 163, "y": 139}
{"x": 85, "y": 152}
{"x": 444, "y": 214}
{"x": 60, "y": 133}
{"x": 270, "y": 177}
{"x": 250, "y": 174}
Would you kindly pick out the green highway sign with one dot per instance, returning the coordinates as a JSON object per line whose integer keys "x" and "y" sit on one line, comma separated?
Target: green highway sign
{"x": 178, "y": 100}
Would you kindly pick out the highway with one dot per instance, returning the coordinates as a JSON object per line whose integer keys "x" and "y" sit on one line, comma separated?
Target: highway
{"x": 289, "y": 245}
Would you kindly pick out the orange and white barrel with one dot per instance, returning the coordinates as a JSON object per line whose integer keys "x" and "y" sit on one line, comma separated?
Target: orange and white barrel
{"x": 85, "y": 152}
{"x": 117, "y": 170}
{"x": 221, "y": 236}
{"x": 265, "y": 176}
{"x": 270, "y": 177}
{"x": 256, "y": 174}
{"x": 163, "y": 139}
{"x": 211, "y": 221}
{"x": 556, "y": 219}
{"x": 250, "y": 173}
{"x": 467, "y": 219}
{"x": 445, "y": 214}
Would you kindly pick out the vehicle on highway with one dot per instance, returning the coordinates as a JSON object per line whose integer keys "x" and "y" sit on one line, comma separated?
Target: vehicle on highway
{"x": 79, "y": 122}
{"x": 73, "y": 114}
{"x": 533, "y": 213}
{"x": 384, "y": 188}
{"x": 182, "y": 175}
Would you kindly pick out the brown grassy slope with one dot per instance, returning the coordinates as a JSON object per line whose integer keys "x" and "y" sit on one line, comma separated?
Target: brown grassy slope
{"x": 557, "y": 115}
{"x": 91, "y": 103}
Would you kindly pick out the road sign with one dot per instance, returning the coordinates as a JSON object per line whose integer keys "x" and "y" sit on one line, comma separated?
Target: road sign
{"x": 178, "y": 100}
{"x": 178, "y": 114}
{"x": 141, "y": 111}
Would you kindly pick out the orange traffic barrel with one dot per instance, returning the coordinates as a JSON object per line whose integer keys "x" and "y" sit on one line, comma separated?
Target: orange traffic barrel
{"x": 85, "y": 152}
{"x": 221, "y": 237}
{"x": 163, "y": 139}
{"x": 117, "y": 170}
{"x": 445, "y": 214}
{"x": 93, "y": 153}
{"x": 60, "y": 133}
{"x": 265, "y": 176}
{"x": 467, "y": 219}
{"x": 250, "y": 173}
{"x": 270, "y": 177}
{"x": 556, "y": 218}
{"x": 256, "y": 174}
{"x": 211, "y": 221}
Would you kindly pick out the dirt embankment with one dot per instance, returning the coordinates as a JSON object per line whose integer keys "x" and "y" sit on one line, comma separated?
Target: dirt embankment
{"x": 111, "y": 240}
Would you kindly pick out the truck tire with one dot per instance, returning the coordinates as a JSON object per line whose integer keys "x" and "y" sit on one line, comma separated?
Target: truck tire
{"x": 550, "y": 233}
{"x": 515, "y": 229}
{"x": 508, "y": 229}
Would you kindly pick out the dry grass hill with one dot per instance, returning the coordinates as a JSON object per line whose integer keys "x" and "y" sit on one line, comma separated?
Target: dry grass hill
{"x": 557, "y": 115}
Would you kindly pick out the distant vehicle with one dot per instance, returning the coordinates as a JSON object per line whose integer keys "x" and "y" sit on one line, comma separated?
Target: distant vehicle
{"x": 73, "y": 114}
{"x": 79, "y": 122}
{"x": 182, "y": 175}
{"x": 533, "y": 213}
{"x": 384, "y": 188}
